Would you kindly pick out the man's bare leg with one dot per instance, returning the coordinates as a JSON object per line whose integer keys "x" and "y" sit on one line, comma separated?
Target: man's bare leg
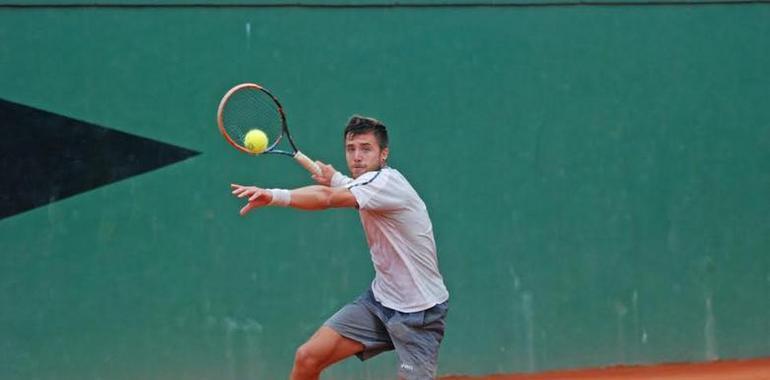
{"x": 323, "y": 349}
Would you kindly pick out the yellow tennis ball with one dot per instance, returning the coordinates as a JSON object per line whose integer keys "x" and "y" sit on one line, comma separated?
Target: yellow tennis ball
{"x": 255, "y": 141}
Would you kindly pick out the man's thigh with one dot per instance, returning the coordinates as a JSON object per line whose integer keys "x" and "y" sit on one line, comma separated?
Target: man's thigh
{"x": 328, "y": 347}
{"x": 359, "y": 321}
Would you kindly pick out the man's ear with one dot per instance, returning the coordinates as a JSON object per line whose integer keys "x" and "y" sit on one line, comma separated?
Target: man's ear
{"x": 384, "y": 154}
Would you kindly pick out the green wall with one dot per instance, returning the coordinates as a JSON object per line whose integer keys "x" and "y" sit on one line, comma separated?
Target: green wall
{"x": 598, "y": 179}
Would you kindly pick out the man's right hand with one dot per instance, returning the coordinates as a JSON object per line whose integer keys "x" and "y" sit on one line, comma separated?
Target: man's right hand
{"x": 327, "y": 172}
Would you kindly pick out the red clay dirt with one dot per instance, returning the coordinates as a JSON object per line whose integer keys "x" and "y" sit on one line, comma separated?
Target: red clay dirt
{"x": 754, "y": 369}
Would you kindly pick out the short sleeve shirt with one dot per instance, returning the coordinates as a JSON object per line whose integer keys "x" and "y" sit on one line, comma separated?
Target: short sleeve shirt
{"x": 400, "y": 237}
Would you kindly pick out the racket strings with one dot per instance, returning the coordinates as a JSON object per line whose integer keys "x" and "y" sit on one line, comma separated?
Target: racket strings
{"x": 248, "y": 109}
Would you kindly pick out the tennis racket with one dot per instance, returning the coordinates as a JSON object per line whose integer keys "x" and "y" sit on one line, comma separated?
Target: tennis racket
{"x": 249, "y": 106}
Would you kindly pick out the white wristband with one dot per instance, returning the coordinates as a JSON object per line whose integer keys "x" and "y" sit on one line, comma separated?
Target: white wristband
{"x": 281, "y": 197}
{"x": 338, "y": 180}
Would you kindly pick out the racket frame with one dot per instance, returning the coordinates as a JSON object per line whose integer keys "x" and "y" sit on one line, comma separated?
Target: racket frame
{"x": 303, "y": 160}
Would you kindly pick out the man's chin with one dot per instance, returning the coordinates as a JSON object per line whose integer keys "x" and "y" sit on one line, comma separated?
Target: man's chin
{"x": 356, "y": 172}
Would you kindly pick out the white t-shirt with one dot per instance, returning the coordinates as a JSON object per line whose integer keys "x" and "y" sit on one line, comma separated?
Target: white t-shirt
{"x": 400, "y": 236}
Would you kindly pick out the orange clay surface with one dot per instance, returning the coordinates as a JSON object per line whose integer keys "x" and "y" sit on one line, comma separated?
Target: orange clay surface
{"x": 754, "y": 369}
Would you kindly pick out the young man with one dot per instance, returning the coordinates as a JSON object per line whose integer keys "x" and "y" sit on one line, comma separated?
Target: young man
{"x": 405, "y": 307}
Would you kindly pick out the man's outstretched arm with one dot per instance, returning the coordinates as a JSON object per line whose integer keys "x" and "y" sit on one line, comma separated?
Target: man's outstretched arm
{"x": 305, "y": 198}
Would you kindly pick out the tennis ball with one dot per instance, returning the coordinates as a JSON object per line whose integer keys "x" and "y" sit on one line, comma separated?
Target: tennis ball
{"x": 255, "y": 141}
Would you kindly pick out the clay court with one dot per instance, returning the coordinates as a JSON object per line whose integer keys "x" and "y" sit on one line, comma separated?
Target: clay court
{"x": 757, "y": 369}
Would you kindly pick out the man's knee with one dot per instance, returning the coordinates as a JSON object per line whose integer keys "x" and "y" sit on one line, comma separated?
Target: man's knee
{"x": 307, "y": 361}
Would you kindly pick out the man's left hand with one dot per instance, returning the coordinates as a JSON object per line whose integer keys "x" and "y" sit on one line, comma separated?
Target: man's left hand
{"x": 258, "y": 197}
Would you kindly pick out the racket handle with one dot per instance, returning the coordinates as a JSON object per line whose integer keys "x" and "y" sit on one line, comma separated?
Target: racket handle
{"x": 307, "y": 163}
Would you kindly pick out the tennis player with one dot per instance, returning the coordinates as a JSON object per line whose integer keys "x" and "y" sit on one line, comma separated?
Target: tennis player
{"x": 406, "y": 305}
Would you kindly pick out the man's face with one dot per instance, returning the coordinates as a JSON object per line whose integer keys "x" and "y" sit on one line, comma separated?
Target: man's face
{"x": 363, "y": 153}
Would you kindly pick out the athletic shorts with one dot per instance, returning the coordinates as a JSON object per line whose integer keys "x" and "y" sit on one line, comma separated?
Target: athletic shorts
{"x": 415, "y": 336}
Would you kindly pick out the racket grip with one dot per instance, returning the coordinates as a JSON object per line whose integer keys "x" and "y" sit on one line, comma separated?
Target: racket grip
{"x": 307, "y": 163}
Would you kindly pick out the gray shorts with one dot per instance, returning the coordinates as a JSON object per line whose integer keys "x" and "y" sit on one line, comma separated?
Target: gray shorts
{"x": 415, "y": 336}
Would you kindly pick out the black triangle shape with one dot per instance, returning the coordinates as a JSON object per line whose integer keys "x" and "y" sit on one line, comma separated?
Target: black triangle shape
{"x": 45, "y": 157}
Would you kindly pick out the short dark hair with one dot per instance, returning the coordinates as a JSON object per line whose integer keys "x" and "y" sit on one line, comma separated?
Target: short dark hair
{"x": 358, "y": 125}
